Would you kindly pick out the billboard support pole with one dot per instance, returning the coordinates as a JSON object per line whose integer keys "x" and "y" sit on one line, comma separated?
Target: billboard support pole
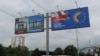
{"x": 47, "y": 34}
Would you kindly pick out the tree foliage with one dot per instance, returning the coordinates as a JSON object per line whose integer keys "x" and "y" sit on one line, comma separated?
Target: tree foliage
{"x": 36, "y": 52}
{"x": 70, "y": 50}
{"x": 2, "y": 50}
{"x": 58, "y": 51}
{"x": 18, "y": 51}
{"x": 81, "y": 54}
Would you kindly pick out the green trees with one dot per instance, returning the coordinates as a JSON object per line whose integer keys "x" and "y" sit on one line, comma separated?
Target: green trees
{"x": 23, "y": 51}
{"x": 2, "y": 50}
{"x": 36, "y": 52}
{"x": 81, "y": 54}
{"x": 18, "y": 51}
{"x": 70, "y": 50}
{"x": 58, "y": 51}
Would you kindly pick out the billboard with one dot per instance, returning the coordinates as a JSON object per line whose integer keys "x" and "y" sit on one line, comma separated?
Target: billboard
{"x": 29, "y": 24}
{"x": 69, "y": 19}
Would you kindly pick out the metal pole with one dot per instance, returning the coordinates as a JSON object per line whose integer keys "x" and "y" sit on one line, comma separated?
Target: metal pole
{"x": 89, "y": 42}
{"x": 47, "y": 34}
{"x": 89, "y": 46}
{"x": 77, "y": 43}
{"x": 77, "y": 34}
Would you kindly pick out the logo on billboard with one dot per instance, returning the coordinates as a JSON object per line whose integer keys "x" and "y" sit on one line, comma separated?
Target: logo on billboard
{"x": 74, "y": 18}
{"x": 58, "y": 17}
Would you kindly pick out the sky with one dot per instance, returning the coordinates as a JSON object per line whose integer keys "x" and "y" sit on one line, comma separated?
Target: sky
{"x": 11, "y": 9}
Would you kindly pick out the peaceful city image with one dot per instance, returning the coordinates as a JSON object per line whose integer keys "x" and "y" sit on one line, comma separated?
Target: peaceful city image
{"x": 49, "y": 28}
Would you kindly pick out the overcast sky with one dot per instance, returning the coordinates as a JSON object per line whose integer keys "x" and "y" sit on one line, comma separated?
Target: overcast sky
{"x": 9, "y": 10}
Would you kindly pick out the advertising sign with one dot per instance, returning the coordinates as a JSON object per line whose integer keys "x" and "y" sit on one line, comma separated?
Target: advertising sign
{"x": 69, "y": 19}
{"x": 29, "y": 24}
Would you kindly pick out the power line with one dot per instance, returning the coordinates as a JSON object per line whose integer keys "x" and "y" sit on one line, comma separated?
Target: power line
{"x": 30, "y": 6}
{"x": 38, "y": 5}
{"x": 27, "y": 3}
{"x": 7, "y": 13}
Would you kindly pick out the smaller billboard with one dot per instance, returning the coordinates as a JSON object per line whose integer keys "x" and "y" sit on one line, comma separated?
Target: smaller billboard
{"x": 29, "y": 24}
{"x": 69, "y": 19}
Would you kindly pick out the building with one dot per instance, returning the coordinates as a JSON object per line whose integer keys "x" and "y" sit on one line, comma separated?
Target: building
{"x": 17, "y": 41}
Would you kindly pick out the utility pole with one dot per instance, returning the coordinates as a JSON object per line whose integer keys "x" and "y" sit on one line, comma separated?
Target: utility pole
{"x": 77, "y": 42}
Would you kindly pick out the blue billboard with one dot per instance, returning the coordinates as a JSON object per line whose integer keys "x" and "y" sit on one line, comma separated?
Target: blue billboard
{"x": 36, "y": 23}
{"x": 69, "y": 19}
{"x": 29, "y": 24}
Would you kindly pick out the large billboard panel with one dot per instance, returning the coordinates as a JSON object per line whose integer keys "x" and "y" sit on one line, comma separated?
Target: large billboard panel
{"x": 29, "y": 24}
{"x": 69, "y": 19}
